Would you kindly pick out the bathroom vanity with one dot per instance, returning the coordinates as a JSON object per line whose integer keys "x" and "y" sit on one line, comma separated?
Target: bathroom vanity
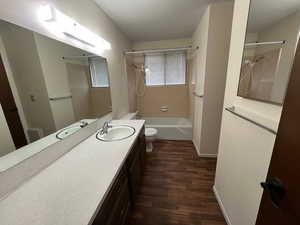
{"x": 94, "y": 183}
{"x": 121, "y": 195}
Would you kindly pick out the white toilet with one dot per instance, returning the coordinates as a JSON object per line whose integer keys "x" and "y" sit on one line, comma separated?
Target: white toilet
{"x": 150, "y": 134}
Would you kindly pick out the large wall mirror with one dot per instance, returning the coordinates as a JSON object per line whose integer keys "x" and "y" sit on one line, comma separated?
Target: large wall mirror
{"x": 271, "y": 41}
{"x": 48, "y": 91}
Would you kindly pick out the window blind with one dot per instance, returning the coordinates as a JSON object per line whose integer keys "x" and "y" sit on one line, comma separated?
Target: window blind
{"x": 99, "y": 72}
{"x": 165, "y": 69}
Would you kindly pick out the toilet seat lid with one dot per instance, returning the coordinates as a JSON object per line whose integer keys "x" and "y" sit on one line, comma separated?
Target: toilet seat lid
{"x": 150, "y": 131}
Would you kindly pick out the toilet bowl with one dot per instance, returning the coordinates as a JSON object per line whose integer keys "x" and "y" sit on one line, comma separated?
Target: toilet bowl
{"x": 150, "y": 134}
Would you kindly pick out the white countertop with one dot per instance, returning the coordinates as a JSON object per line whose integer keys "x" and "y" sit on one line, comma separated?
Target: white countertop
{"x": 70, "y": 190}
{"x": 31, "y": 149}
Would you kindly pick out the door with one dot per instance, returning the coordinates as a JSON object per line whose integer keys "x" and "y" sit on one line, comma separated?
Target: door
{"x": 280, "y": 203}
{"x": 10, "y": 110}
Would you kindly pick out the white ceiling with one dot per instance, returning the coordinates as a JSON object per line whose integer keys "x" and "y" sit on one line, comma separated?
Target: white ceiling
{"x": 150, "y": 20}
{"x": 264, "y": 13}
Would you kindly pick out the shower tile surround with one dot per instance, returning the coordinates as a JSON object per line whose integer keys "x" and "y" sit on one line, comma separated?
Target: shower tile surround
{"x": 175, "y": 97}
{"x": 76, "y": 193}
{"x": 258, "y": 75}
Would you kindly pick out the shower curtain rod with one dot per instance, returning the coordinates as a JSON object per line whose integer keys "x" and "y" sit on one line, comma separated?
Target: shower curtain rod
{"x": 265, "y": 43}
{"x": 78, "y": 56}
{"x": 160, "y": 50}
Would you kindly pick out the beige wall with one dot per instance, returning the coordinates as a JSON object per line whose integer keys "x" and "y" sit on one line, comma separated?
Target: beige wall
{"x": 80, "y": 90}
{"x": 245, "y": 149}
{"x": 210, "y": 65}
{"x": 215, "y": 75}
{"x": 100, "y": 101}
{"x": 87, "y": 102}
{"x": 56, "y": 77}
{"x": 90, "y": 15}
{"x": 7, "y": 144}
{"x": 200, "y": 38}
{"x": 131, "y": 76}
{"x": 175, "y": 97}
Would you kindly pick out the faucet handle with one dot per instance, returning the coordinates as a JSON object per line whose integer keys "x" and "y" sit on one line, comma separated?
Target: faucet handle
{"x": 108, "y": 122}
{"x": 83, "y": 123}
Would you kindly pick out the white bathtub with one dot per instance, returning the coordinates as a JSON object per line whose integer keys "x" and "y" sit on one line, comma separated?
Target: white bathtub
{"x": 171, "y": 128}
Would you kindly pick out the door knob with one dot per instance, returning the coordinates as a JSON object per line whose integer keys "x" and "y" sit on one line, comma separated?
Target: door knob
{"x": 274, "y": 187}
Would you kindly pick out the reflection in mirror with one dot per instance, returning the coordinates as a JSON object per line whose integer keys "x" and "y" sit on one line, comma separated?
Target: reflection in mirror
{"x": 271, "y": 41}
{"x": 48, "y": 91}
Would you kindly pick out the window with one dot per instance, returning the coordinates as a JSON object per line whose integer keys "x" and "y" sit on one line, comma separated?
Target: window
{"x": 165, "y": 69}
{"x": 99, "y": 72}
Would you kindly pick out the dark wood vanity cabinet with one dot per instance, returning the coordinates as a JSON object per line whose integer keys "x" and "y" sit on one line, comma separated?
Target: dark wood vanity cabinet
{"x": 119, "y": 199}
{"x": 135, "y": 164}
{"x": 116, "y": 202}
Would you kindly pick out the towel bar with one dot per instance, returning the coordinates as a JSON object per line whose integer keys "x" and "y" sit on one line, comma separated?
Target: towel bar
{"x": 60, "y": 98}
{"x": 231, "y": 110}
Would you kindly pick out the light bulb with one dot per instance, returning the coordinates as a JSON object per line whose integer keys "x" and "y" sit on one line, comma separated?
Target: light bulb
{"x": 46, "y": 13}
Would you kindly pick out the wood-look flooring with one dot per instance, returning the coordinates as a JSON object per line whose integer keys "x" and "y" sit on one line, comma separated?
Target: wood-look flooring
{"x": 176, "y": 188}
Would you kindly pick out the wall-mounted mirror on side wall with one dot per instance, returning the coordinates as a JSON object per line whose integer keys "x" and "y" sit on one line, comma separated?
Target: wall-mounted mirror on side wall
{"x": 270, "y": 45}
{"x": 48, "y": 91}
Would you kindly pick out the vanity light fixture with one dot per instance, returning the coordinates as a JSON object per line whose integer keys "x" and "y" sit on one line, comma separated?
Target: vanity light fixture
{"x": 46, "y": 13}
{"x": 64, "y": 26}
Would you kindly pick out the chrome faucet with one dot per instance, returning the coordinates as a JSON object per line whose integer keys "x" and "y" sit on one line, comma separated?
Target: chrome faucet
{"x": 105, "y": 128}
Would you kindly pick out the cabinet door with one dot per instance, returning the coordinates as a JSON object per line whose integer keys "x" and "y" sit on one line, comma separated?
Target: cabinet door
{"x": 142, "y": 150}
{"x": 135, "y": 164}
{"x": 111, "y": 199}
{"x": 135, "y": 175}
{"x": 119, "y": 214}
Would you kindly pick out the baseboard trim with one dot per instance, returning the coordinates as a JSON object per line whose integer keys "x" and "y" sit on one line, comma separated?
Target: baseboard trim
{"x": 204, "y": 155}
{"x": 208, "y": 155}
{"x": 221, "y": 206}
{"x": 197, "y": 150}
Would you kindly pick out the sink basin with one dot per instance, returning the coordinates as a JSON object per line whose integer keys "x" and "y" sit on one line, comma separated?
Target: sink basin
{"x": 116, "y": 133}
{"x": 67, "y": 132}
